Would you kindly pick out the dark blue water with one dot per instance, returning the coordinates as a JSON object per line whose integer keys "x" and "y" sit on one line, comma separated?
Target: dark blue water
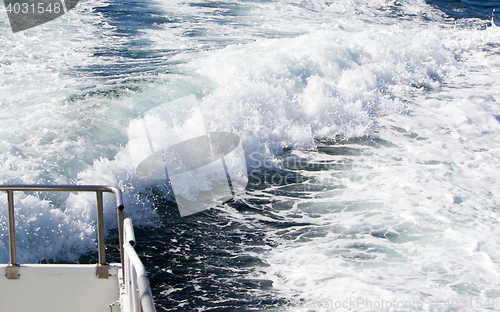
{"x": 487, "y": 10}
{"x": 208, "y": 261}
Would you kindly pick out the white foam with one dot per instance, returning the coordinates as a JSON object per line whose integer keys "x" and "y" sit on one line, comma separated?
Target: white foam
{"x": 414, "y": 222}
{"x": 437, "y": 204}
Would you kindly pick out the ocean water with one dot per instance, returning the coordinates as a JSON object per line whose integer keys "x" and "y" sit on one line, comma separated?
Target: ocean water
{"x": 370, "y": 130}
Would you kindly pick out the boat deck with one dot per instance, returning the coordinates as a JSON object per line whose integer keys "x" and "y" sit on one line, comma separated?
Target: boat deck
{"x": 76, "y": 287}
{"x": 60, "y": 287}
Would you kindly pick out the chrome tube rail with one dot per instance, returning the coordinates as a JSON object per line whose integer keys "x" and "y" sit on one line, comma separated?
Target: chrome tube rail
{"x": 102, "y": 268}
{"x": 137, "y": 289}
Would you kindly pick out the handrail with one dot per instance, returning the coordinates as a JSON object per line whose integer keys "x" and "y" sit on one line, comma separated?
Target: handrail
{"x": 128, "y": 232}
{"x": 135, "y": 276}
{"x": 98, "y": 189}
{"x": 136, "y": 283}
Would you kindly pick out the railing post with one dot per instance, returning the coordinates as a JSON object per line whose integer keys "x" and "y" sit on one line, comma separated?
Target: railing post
{"x": 102, "y": 268}
{"x": 120, "y": 212}
{"x": 12, "y": 271}
{"x": 12, "y": 229}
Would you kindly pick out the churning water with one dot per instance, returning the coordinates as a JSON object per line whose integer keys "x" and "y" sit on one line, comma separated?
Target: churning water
{"x": 371, "y": 132}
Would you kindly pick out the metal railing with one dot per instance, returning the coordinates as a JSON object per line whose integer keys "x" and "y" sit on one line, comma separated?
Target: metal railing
{"x": 137, "y": 290}
{"x": 102, "y": 268}
{"x": 138, "y": 295}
